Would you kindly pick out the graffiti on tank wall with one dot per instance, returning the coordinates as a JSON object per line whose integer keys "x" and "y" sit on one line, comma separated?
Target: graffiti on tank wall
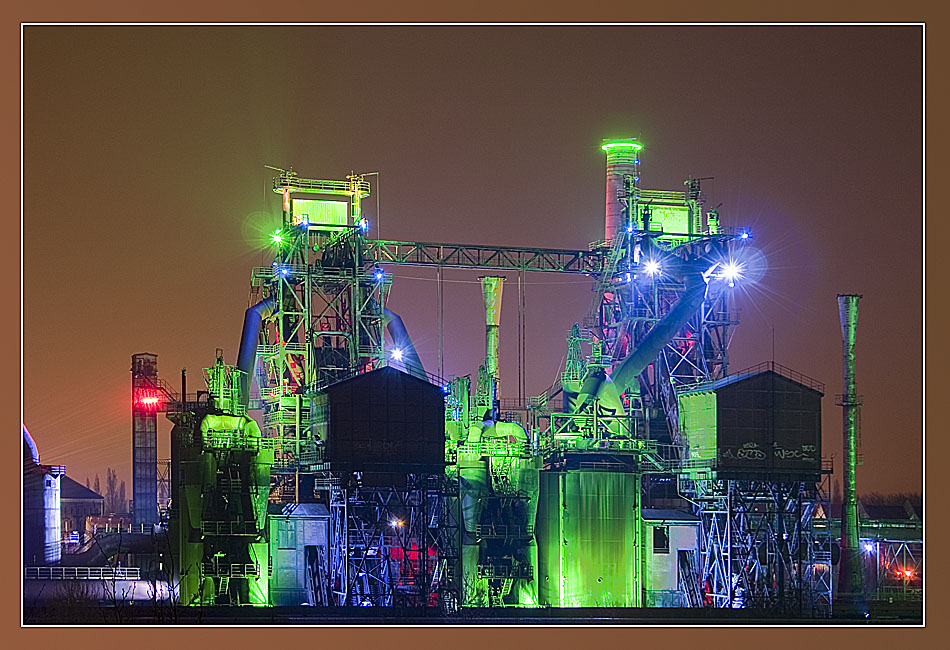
{"x": 804, "y": 453}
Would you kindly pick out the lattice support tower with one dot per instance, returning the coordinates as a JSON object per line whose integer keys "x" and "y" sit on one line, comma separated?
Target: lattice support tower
{"x": 327, "y": 322}
{"x": 761, "y": 547}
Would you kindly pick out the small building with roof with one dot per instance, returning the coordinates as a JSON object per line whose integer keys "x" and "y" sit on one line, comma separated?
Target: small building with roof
{"x": 77, "y": 503}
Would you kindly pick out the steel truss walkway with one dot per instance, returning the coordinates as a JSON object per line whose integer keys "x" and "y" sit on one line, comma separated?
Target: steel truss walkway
{"x": 496, "y": 258}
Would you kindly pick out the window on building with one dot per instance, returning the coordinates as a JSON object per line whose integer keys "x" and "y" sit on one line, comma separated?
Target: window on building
{"x": 661, "y": 539}
{"x": 286, "y": 534}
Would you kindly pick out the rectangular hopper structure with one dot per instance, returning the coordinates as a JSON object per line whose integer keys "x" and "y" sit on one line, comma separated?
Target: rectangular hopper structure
{"x": 761, "y": 423}
{"x": 386, "y": 421}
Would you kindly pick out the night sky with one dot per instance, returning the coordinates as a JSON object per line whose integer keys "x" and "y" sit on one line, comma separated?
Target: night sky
{"x": 146, "y": 199}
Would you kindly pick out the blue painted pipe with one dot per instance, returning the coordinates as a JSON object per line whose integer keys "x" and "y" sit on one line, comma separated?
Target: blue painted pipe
{"x": 607, "y": 389}
{"x": 401, "y": 340}
{"x": 253, "y": 319}
{"x": 662, "y": 333}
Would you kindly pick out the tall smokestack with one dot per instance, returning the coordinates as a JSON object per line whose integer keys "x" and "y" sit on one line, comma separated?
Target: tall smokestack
{"x": 622, "y": 162}
{"x": 491, "y": 292}
{"x": 850, "y": 573}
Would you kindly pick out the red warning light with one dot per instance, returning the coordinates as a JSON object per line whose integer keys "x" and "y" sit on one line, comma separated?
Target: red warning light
{"x": 148, "y": 400}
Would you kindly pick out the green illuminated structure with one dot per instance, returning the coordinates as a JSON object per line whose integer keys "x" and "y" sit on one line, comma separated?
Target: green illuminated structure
{"x": 851, "y": 592}
{"x": 588, "y": 522}
{"x": 550, "y": 505}
{"x": 220, "y": 483}
{"x": 621, "y": 145}
{"x": 326, "y": 323}
{"x": 497, "y": 469}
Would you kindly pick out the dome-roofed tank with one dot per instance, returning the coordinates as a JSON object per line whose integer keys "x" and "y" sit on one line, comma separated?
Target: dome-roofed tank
{"x": 41, "y": 513}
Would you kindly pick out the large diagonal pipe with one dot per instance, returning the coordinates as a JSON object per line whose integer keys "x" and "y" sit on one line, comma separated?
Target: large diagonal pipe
{"x": 607, "y": 390}
{"x": 401, "y": 341}
{"x": 662, "y": 333}
{"x": 247, "y": 353}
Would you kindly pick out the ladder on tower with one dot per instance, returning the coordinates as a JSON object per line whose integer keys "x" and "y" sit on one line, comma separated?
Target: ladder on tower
{"x": 496, "y": 596}
{"x": 437, "y": 574}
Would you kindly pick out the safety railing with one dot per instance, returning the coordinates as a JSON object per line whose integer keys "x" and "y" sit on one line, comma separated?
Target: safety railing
{"x": 81, "y": 573}
{"x": 492, "y": 447}
{"x": 229, "y": 528}
{"x": 503, "y": 531}
{"x": 504, "y": 571}
{"x": 270, "y": 350}
{"x": 786, "y": 372}
{"x": 290, "y": 180}
{"x": 513, "y": 404}
{"x": 843, "y": 399}
{"x": 111, "y": 529}
{"x": 212, "y": 569}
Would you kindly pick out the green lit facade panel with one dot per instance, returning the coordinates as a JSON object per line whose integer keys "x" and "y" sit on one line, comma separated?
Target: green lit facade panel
{"x": 588, "y": 548}
{"x": 668, "y": 218}
{"x": 697, "y": 420}
{"x": 329, "y": 214}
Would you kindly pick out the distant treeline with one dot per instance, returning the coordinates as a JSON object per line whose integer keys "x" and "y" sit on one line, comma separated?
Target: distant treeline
{"x": 881, "y": 499}
{"x": 115, "y": 501}
{"x": 892, "y": 499}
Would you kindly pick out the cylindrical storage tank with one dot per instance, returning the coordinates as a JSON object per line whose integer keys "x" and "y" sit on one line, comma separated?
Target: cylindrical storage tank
{"x": 259, "y": 488}
{"x": 622, "y": 160}
{"x": 41, "y": 508}
{"x": 52, "y": 529}
{"x": 33, "y": 534}
{"x": 588, "y": 546}
{"x": 526, "y": 476}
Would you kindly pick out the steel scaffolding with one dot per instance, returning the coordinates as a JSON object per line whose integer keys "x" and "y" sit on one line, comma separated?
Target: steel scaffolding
{"x": 761, "y": 546}
{"x": 327, "y": 325}
{"x": 396, "y": 544}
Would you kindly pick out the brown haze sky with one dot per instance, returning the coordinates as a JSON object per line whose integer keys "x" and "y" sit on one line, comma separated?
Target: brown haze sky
{"x": 145, "y": 193}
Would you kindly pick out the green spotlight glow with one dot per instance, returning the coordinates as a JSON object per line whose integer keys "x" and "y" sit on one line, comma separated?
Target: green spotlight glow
{"x": 277, "y": 237}
{"x": 636, "y": 146}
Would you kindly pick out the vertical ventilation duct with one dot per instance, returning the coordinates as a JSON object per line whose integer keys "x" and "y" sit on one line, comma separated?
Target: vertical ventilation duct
{"x": 491, "y": 292}
{"x": 851, "y": 579}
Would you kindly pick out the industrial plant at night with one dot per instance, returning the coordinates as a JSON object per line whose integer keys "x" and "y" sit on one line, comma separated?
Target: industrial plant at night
{"x": 328, "y": 471}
